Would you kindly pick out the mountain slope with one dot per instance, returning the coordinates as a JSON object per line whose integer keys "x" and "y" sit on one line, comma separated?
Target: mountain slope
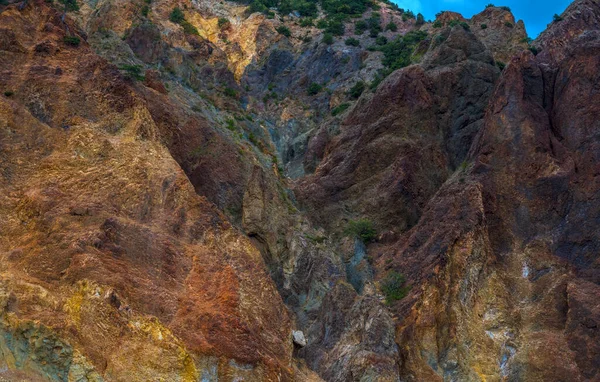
{"x": 187, "y": 184}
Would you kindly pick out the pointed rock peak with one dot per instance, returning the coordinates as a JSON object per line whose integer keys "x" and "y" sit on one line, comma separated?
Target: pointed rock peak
{"x": 446, "y": 17}
{"x": 497, "y": 29}
{"x": 580, "y": 17}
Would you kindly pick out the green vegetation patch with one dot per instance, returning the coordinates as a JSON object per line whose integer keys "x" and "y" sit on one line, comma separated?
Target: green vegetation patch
{"x": 352, "y": 42}
{"x": 397, "y": 53}
{"x": 282, "y": 29}
{"x": 178, "y": 17}
{"x": 340, "y": 109}
{"x": 314, "y": 88}
{"x": 328, "y": 38}
{"x": 361, "y": 229}
{"x": 133, "y": 71}
{"x": 338, "y": 10}
{"x": 357, "y": 89}
{"x": 72, "y": 40}
{"x": 70, "y": 5}
{"x": 393, "y": 287}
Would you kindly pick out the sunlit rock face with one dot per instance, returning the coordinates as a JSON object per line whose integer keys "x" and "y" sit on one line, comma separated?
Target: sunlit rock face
{"x": 193, "y": 192}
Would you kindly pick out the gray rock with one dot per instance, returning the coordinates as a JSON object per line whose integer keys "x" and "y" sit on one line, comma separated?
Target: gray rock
{"x": 298, "y": 337}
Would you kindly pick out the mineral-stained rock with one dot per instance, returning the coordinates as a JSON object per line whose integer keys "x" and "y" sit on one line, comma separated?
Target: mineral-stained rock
{"x": 148, "y": 231}
{"x": 396, "y": 146}
{"x": 111, "y": 262}
{"x": 497, "y": 29}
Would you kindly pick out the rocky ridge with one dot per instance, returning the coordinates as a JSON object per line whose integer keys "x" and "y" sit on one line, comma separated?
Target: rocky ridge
{"x": 149, "y": 230}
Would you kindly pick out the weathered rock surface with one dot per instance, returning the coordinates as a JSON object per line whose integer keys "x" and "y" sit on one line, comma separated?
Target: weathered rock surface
{"x": 148, "y": 231}
{"x": 112, "y": 266}
{"x": 503, "y": 253}
{"x": 497, "y": 29}
{"x": 397, "y": 146}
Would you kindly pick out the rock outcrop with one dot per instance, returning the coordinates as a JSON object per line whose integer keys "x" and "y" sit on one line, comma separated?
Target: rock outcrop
{"x": 180, "y": 191}
{"x": 113, "y": 268}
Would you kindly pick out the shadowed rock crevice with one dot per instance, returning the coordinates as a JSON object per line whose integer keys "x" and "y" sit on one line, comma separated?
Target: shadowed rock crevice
{"x": 177, "y": 197}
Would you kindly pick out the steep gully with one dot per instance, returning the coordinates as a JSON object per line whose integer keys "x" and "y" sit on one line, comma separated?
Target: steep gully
{"x": 499, "y": 253}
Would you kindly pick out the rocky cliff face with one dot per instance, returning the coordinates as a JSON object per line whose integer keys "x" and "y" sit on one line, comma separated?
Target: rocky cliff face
{"x": 180, "y": 191}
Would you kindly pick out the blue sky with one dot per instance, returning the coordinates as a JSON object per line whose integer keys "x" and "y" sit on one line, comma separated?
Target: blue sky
{"x": 535, "y": 13}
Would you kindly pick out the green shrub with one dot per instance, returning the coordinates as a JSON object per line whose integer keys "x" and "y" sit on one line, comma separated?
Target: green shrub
{"x": 535, "y": 50}
{"x": 394, "y": 287}
{"x": 361, "y": 229}
{"x": 501, "y": 65}
{"x": 378, "y": 78}
{"x": 484, "y": 26}
{"x": 282, "y": 29}
{"x": 508, "y": 24}
{"x": 334, "y": 10}
{"x": 420, "y": 19}
{"x": 223, "y": 22}
{"x": 316, "y": 239}
{"x": 439, "y": 39}
{"x": 230, "y": 124}
{"x": 504, "y": 7}
{"x": 526, "y": 40}
{"x": 463, "y": 24}
{"x": 229, "y": 92}
{"x": 133, "y": 71}
{"x": 314, "y": 88}
{"x": 340, "y": 109}
{"x": 381, "y": 40}
{"x": 490, "y": 5}
{"x": 556, "y": 18}
{"x": 335, "y": 27}
{"x": 252, "y": 138}
{"x": 306, "y": 22}
{"x": 374, "y": 24}
{"x": 391, "y": 27}
{"x": 177, "y": 15}
{"x": 145, "y": 10}
{"x": 437, "y": 24}
{"x": 397, "y": 53}
{"x": 9, "y": 93}
{"x": 70, "y": 5}
{"x": 360, "y": 27}
{"x": 357, "y": 89}
{"x": 189, "y": 28}
{"x": 352, "y": 42}
{"x": 322, "y": 24}
{"x": 72, "y": 40}
{"x": 328, "y": 38}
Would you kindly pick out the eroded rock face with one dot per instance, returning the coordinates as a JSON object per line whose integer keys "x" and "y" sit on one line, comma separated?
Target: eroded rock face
{"x": 531, "y": 180}
{"x": 147, "y": 230}
{"x": 502, "y": 253}
{"x": 396, "y": 147}
{"x": 108, "y": 254}
{"x": 497, "y": 28}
